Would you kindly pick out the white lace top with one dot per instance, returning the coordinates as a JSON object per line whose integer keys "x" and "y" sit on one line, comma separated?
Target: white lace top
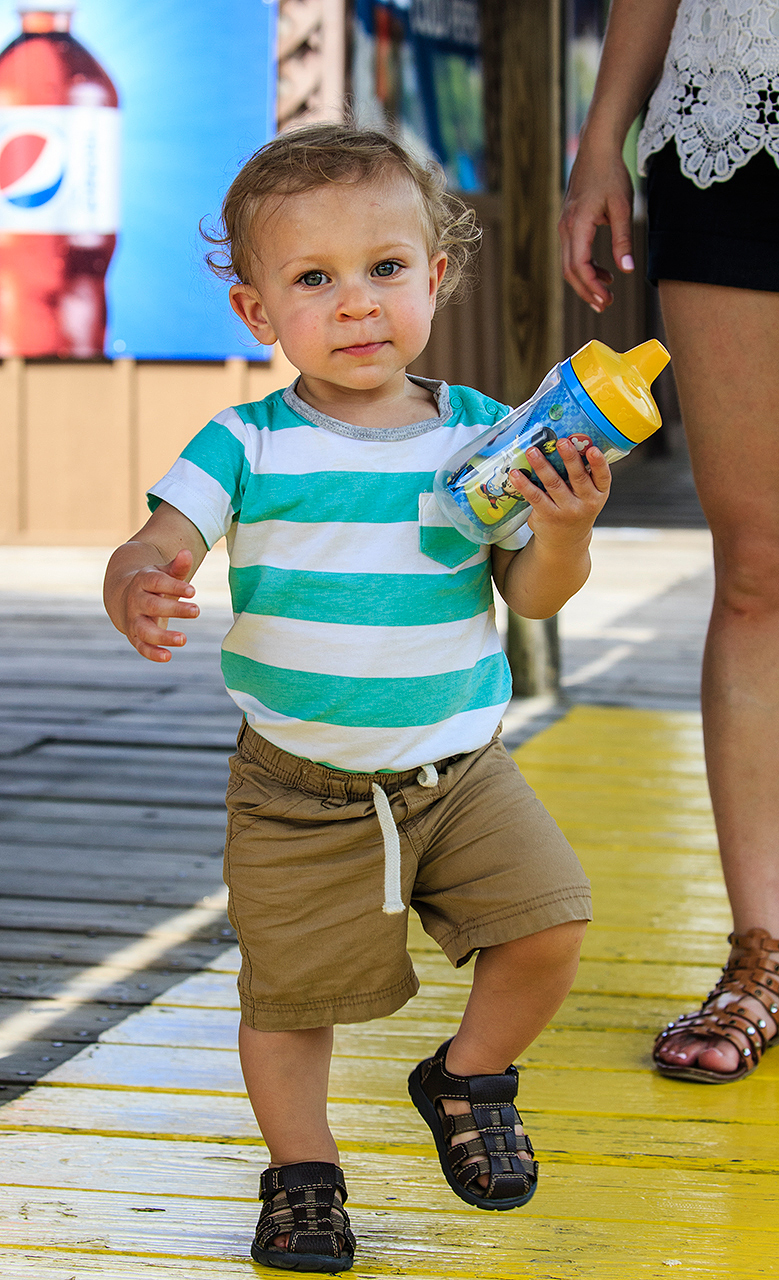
{"x": 718, "y": 97}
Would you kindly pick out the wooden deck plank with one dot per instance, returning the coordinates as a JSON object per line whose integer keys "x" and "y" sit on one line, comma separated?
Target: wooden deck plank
{"x": 607, "y": 976}
{"x": 392, "y": 1241}
{"x": 119, "y": 1168}
{"x": 394, "y": 1130}
{"x": 25, "y": 945}
{"x": 98, "y": 917}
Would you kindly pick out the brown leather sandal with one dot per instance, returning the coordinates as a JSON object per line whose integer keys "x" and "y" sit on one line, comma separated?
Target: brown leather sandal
{"x": 750, "y": 973}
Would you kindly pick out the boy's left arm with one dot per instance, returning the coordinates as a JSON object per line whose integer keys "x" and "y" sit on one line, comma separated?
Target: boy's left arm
{"x": 538, "y": 580}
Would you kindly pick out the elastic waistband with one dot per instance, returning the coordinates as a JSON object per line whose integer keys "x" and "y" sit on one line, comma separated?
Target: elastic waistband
{"x": 319, "y": 779}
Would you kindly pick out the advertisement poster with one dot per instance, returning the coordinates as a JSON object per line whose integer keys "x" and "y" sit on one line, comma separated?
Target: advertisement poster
{"x": 416, "y": 68}
{"x": 122, "y": 123}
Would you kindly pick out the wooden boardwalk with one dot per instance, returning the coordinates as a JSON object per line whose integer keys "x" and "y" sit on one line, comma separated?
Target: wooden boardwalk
{"x": 138, "y": 1159}
{"x": 112, "y": 776}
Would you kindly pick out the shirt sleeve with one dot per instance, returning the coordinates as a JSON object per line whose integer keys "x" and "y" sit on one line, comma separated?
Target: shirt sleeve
{"x": 207, "y": 482}
{"x": 516, "y": 540}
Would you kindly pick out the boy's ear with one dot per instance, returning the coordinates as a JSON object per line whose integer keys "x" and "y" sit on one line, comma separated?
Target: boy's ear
{"x": 247, "y": 305}
{"x": 438, "y": 264}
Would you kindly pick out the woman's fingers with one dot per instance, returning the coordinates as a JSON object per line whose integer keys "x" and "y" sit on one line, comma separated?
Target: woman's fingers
{"x": 599, "y": 194}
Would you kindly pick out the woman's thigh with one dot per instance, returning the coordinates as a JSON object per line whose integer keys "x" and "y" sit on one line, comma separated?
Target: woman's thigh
{"x": 725, "y": 348}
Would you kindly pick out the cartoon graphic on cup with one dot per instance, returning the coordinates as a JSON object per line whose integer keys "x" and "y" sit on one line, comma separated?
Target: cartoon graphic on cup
{"x": 597, "y": 397}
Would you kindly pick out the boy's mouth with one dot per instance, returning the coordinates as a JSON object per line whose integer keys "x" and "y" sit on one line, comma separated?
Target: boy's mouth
{"x": 362, "y": 348}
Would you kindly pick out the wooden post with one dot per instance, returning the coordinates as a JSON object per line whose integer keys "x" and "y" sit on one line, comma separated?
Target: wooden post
{"x": 531, "y": 183}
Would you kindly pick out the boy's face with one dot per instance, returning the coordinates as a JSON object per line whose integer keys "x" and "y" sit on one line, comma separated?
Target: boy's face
{"x": 345, "y": 282}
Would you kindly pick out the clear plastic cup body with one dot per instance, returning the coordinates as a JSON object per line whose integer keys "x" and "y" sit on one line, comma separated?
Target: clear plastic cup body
{"x": 476, "y": 488}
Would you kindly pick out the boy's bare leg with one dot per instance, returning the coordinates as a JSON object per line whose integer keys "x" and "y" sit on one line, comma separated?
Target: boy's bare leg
{"x": 286, "y": 1075}
{"x": 517, "y": 989}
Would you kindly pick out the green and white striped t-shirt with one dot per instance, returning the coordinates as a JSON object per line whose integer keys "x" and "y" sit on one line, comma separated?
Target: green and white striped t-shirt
{"x": 364, "y": 632}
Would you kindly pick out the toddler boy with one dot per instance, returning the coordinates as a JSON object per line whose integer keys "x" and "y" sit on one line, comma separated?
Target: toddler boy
{"x": 369, "y": 776}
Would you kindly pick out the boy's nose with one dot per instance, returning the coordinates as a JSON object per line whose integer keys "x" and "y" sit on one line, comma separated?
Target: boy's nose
{"x": 356, "y": 302}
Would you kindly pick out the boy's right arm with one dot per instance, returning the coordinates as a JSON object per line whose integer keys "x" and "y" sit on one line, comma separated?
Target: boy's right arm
{"x": 147, "y": 577}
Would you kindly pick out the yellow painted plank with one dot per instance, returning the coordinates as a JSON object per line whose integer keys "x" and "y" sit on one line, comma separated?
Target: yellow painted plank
{"x": 73, "y": 1264}
{"x": 653, "y": 946}
{"x": 588, "y": 1092}
{"x": 587, "y": 1232}
{"x": 204, "y": 1170}
{"x": 680, "y": 981}
{"x": 394, "y": 1129}
{"x": 621, "y": 941}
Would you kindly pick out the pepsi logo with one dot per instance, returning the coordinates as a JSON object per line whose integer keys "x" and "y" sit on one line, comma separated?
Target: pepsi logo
{"x": 32, "y": 167}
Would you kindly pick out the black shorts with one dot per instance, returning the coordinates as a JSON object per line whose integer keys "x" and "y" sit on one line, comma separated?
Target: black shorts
{"x": 726, "y": 234}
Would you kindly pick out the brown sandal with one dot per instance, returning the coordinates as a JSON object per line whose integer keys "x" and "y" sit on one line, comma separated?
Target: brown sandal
{"x": 751, "y": 973}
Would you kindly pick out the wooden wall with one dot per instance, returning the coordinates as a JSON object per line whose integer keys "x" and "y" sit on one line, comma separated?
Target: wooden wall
{"x": 81, "y": 442}
{"x": 466, "y": 344}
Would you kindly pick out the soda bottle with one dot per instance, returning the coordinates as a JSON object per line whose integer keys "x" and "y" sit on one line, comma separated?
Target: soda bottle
{"x": 59, "y": 162}
{"x": 597, "y": 396}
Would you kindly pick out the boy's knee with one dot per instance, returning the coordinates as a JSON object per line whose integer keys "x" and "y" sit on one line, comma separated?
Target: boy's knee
{"x": 558, "y": 945}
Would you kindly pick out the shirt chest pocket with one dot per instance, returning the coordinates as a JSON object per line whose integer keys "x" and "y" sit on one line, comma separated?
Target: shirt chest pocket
{"x": 440, "y": 540}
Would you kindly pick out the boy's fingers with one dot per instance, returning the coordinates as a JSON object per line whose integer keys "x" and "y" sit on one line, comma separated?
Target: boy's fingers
{"x": 555, "y": 485}
{"x": 147, "y": 631}
{"x": 160, "y": 582}
{"x": 151, "y": 604}
{"x": 180, "y": 565}
{"x": 578, "y": 477}
{"x": 599, "y": 469}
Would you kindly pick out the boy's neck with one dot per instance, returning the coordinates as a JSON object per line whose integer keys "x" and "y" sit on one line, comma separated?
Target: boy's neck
{"x": 395, "y": 404}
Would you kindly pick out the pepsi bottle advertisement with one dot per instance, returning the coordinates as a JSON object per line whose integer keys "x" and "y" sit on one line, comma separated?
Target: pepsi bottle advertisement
{"x": 122, "y": 123}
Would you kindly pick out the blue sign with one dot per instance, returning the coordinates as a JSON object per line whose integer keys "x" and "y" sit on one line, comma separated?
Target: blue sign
{"x": 417, "y": 70}
{"x": 196, "y": 85}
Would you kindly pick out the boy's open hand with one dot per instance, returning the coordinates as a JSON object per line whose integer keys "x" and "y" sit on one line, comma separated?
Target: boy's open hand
{"x": 565, "y": 513}
{"x": 151, "y": 597}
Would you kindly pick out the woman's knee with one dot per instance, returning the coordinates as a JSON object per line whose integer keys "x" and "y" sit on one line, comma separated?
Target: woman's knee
{"x": 747, "y": 573}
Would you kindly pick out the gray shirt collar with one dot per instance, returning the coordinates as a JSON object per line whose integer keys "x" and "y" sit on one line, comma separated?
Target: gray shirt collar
{"x": 440, "y": 392}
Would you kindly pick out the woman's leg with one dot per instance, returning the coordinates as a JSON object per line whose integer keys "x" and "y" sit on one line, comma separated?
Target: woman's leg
{"x": 725, "y": 348}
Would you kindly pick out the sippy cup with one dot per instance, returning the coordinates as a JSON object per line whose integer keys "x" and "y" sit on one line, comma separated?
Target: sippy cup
{"x": 597, "y": 396}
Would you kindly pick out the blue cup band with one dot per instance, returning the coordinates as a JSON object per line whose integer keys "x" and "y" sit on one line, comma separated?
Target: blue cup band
{"x": 591, "y": 410}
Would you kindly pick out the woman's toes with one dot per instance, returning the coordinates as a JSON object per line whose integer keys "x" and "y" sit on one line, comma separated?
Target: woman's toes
{"x": 679, "y": 1051}
{"x": 694, "y": 1051}
{"x": 719, "y": 1055}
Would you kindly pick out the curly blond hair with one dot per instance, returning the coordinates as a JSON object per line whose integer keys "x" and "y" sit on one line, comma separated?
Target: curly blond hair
{"x": 316, "y": 155}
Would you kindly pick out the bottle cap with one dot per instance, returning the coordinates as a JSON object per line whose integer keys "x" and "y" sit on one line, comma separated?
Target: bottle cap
{"x": 619, "y": 384}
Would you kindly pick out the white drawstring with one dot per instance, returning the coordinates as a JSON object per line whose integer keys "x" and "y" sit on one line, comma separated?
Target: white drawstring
{"x": 393, "y": 901}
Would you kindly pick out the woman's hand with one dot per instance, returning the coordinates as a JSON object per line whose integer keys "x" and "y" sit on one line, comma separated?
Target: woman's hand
{"x": 600, "y": 193}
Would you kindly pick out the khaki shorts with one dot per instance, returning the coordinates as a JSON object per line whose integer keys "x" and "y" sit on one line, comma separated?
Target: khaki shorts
{"x": 482, "y": 862}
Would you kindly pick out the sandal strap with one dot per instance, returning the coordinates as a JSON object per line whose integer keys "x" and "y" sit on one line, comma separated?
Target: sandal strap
{"x": 753, "y": 973}
{"x": 494, "y": 1152}
{"x": 299, "y": 1201}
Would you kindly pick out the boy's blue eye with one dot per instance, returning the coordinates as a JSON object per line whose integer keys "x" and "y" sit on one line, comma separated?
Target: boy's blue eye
{"x": 312, "y": 278}
{"x": 385, "y": 269}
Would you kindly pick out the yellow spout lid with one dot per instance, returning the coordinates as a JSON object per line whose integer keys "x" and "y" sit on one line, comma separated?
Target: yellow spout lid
{"x": 619, "y": 384}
